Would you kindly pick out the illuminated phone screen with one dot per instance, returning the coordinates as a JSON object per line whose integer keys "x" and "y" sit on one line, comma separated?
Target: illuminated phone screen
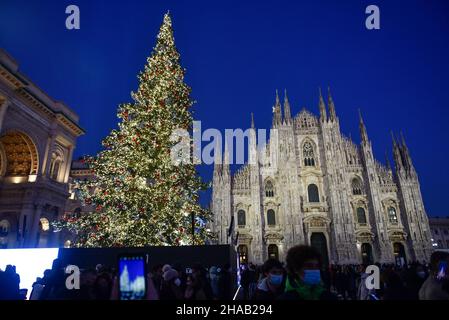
{"x": 442, "y": 270}
{"x": 132, "y": 282}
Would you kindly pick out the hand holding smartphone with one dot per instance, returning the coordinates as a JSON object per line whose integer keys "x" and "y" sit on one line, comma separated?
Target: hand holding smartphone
{"x": 442, "y": 270}
{"x": 132, "y": 276}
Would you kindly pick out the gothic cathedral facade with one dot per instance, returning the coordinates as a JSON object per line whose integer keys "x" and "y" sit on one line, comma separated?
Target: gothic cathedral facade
{"x": 320, "y": 188}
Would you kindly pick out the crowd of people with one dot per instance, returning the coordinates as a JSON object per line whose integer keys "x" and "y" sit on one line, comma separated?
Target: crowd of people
{"x": 301, "y": 278}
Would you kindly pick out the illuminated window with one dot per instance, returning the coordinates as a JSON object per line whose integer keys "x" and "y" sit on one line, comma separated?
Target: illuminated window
{"x": 45, "y": 225}
{"x": 273, "y": 252}
{"x": 392, "y": 217}
{"x": 4, "y": 228}
{"x": 243, "y": 253}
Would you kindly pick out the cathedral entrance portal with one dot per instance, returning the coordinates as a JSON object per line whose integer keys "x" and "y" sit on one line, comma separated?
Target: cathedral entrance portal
{"x": 243, "y": 254}
{"x": 273, "y": 252}
{"x": 399, "y": 253}
{"x": 318, "y": 241}
{"x": 367, "y": 253}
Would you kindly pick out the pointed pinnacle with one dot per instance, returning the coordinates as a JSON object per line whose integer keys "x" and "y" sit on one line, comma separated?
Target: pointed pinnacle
{"x": 393, "y": 138}
{"x": 402, "y": 138}
{"x": 252, "y": 120}
{"x": 387, "y": 161}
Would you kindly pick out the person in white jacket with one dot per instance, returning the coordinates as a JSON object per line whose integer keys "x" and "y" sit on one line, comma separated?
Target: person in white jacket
{"x": 363, "y": 293}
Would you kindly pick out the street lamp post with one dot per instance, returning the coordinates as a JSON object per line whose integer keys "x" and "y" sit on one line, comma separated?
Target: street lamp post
{"x": 193, "y": 228}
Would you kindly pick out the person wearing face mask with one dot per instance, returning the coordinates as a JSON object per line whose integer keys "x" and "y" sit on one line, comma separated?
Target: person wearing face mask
{"x": 303, "y": 280}
{"x": 271, "y": 285}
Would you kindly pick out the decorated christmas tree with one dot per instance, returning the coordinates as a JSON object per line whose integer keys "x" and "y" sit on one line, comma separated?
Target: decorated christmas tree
{"x": 139, "y": 195}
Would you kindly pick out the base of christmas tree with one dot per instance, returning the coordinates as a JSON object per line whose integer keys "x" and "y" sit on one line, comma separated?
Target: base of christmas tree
{"x": 184, "y": 256}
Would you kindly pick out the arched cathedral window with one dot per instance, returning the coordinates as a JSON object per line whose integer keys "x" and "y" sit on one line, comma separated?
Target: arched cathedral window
{"x": 392, "y": 216}
{"x": 356, "y": 186}
{"x": 313, "y": 193}
{"x": 269, "y": 190}
{"x": 361, "y": 216}
{"x": 308, "y": 154}
{"x": 241, "y": 218}
{"x": 271, "y": 217}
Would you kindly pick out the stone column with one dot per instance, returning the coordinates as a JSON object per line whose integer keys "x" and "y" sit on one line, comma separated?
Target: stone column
{"x": 68, "y": 164}
{"x": 25, "y": 214}
{"x": 35, "y": 226}
{"x": 47, "y": 158}
{"x": 3, "y": 107}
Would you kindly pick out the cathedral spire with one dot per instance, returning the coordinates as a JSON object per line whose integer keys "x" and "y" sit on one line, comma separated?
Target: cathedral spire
{"x": 333, "y": 115}
{"x": 406, "y": 154}
{"x": 393, "y": 139}
{"x": 363, "y": 133}
{"x": 396, "y": 154}
{"x": 277, "y": 113}
{"x": 218, "y": 159}
{"x": 387, "y": 160}
{"x": 226, "y": 159}
{"x": 252, "y": 121}
{"x": 323, "y": 114}
{"x": 287, "y": 114}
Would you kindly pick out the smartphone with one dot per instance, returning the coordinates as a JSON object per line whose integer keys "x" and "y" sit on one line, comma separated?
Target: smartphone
{"x": 373, "y": 297}
{"x": 188, "y": 270}
{"x": 132, "y": 276}
{"x": 442, "y": 270}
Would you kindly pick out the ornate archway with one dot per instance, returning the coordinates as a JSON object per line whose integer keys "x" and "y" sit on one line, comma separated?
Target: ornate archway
{"x": 367, "y": 253}
{"x": 19, "y": 155}
{"x": 399, "y": 253}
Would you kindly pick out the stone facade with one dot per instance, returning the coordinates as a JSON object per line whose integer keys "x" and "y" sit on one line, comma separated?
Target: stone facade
{"x": 439, "y": 228}
{"x": 320, "y": 188}
{"x": 37, "y": 139}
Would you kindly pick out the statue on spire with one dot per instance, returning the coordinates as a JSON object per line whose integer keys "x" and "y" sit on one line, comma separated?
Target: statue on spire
{"x": 333, "y": 115}
{"x": 287, "y": 113}
{"x": 363, "y": 133}
{"x": 396, "y": 154}
{"x": 323, "y": 114}
{"x": 406, "y": 155}
{"x": 277, "y": 113}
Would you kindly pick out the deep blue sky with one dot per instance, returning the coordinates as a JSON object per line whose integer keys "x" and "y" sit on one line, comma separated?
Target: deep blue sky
{"x": 238, "y": 52}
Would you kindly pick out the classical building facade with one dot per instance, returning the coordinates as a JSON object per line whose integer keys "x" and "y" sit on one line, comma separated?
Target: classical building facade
{"x": 320, "y": 188}
{"x": 37, "y": 139}
{"x": 439, "y": 227}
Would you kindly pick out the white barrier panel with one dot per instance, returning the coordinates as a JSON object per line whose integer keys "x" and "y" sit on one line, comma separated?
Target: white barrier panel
{"x": 30, "y": 263}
